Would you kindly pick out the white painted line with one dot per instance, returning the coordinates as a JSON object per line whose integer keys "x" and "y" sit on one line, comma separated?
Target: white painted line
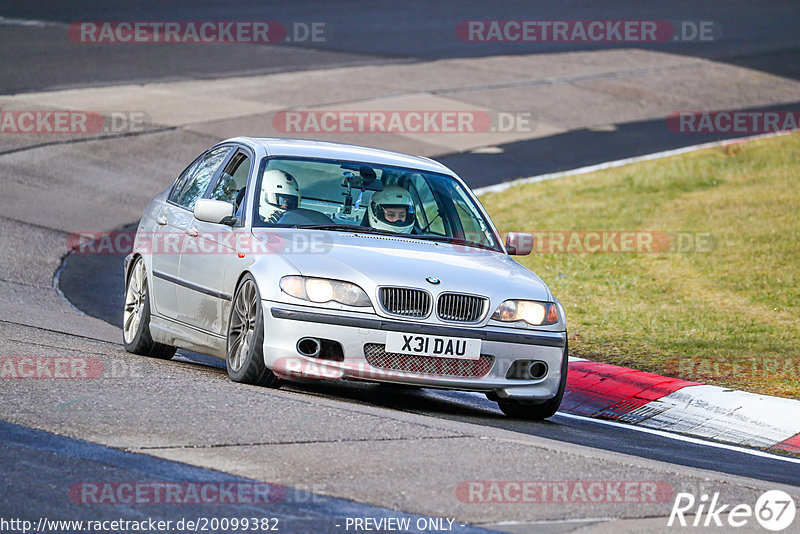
{"x": 549, "y": 521}
{"x": 669, "y": 434}
{"x": 497, "y": 188}
{"x": 28, "y": 22}
{"x": 734, "y": 416}
{"x": 680, "y": 437}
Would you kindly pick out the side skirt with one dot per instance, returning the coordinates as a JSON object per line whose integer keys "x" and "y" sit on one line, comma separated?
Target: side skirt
{"x": 186, "y": 337}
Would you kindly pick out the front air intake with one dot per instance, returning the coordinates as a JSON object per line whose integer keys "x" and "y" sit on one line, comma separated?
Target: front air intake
{"x": 405, "y": 302}
{"x": 460, "y": 308}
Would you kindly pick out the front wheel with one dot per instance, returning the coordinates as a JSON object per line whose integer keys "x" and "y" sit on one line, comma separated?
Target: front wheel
{"x": 136, "y": 316}
{"x": 244, "y": 354}
{"x": 537, "y": 412}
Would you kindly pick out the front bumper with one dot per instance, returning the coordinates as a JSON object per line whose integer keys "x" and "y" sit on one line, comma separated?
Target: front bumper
{"x": 285, "y": 325}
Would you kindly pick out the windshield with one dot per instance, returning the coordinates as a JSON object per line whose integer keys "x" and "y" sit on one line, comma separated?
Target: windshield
{"x": 344, "y": 195}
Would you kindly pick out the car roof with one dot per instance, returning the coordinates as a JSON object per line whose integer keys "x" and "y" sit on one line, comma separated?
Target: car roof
{"x": 275, "y": 146}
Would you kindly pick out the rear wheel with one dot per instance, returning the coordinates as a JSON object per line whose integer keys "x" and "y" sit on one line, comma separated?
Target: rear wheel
{"x": 244, "y": 355}
{"x": 537, "y": 412}
{"x": 136, "y": 316}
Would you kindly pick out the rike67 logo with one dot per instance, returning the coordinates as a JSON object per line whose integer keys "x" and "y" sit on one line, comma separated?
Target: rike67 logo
{"x": 774, "y": 510}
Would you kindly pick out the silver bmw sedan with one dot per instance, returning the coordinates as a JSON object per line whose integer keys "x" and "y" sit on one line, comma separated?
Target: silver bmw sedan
{"x": 305, "y": 260}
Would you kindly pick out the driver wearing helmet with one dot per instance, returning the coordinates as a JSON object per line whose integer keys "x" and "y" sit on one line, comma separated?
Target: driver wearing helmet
{"x": 391, "y": 209}
{"x": 279, "y": 194}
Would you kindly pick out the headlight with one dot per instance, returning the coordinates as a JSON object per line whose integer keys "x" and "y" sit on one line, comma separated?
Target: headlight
{"x": 319, "y": 290}
{"x": 322, "y": 290}
{"x": 530, "y": 311}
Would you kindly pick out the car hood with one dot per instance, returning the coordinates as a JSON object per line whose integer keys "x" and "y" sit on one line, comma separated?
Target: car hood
{"x": 375, "y": 260}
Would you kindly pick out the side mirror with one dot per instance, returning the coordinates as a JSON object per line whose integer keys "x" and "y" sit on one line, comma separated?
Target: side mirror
{"x": 213, "y": 211}
{"x": 519, "y": 244}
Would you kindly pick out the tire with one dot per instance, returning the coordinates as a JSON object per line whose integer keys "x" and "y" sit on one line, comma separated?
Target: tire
{"x": 244, "y": 351}
{"x": 537, "y": 412}
{"x": 136, "y": 316}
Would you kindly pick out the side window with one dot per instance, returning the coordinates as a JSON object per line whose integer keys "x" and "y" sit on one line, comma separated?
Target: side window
{"x": 233, "y": 180}
{"x": 183, "y": 180}
{"x": 199, "y": 177}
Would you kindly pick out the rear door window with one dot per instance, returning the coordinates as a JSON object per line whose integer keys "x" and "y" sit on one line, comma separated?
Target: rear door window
{"x": 197, "y": 178}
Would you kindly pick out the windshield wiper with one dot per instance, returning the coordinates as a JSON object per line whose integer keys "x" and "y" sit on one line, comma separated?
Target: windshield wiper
{"x": 455, "y": 241}
{"x": 371, "y": 230}
{"x": 347, "y": 228}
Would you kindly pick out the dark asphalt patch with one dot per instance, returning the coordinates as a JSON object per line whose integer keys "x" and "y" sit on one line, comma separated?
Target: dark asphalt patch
{"x": 580, "y": 148}
{"x": 59, "y": 463}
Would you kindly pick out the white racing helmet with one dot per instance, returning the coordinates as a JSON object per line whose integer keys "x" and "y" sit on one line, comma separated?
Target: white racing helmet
{"x": 391, "y": 197}
{"x": 279, "y": 193}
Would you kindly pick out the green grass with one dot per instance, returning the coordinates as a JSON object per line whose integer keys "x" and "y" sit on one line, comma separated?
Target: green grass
{"x": 729, "y": 316}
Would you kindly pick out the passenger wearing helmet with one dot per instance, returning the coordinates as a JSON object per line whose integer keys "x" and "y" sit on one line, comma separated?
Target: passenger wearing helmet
{"x": 391, "y": 209}
{"x": 279, "y": 194}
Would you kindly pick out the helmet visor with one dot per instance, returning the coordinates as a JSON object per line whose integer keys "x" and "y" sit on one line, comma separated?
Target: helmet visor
{"x": 287, "y": 202}
{"x": 398, "y": 215}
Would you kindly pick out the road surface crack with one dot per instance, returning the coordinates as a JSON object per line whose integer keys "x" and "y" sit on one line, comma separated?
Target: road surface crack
{"x": 293, "y": 442}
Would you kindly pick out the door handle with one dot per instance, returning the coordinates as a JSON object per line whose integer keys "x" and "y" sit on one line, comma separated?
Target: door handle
{"x": 161, "y": 221}
{"x": 191, "y": 232}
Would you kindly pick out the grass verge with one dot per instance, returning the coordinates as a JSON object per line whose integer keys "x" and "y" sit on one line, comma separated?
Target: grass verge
{"x": 720, "y": 305}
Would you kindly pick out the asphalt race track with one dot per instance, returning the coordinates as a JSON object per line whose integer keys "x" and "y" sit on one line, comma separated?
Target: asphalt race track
{"x": 759, "y": 36}
{"x": 94, "y": 283}
{"x": 337, "y": 450}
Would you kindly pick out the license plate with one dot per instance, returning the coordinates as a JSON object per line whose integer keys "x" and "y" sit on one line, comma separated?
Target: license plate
{"x": 426, "y": 345}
